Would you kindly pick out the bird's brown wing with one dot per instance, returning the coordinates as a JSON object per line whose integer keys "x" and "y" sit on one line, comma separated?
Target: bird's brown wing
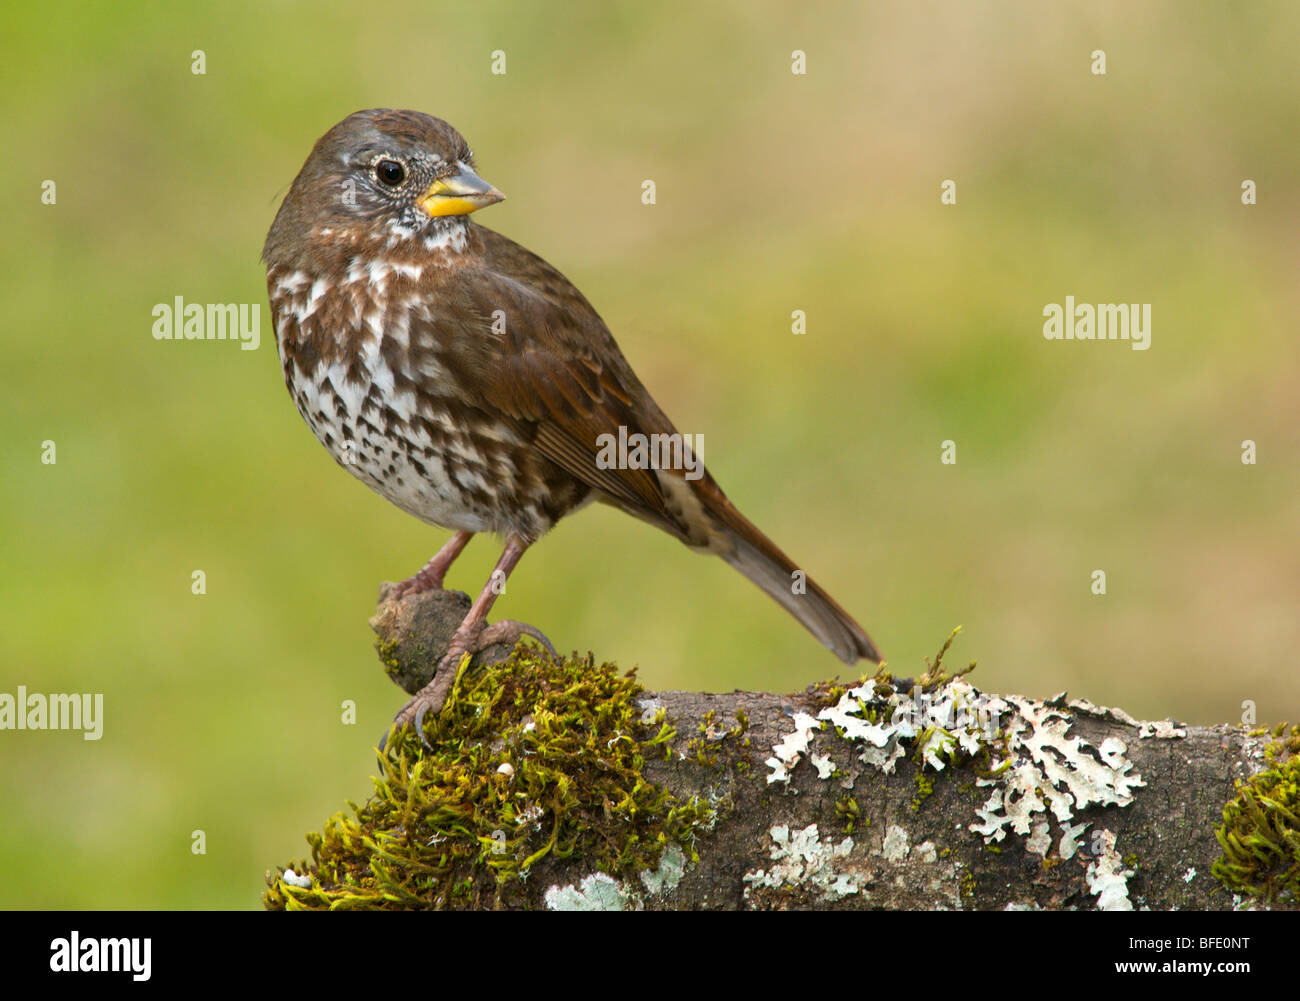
{"x": 556, "y": 366}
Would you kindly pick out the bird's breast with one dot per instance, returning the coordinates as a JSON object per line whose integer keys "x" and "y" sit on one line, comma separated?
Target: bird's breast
{"x": 384, "y": 400}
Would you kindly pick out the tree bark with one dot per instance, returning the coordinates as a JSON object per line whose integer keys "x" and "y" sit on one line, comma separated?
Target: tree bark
{"x": 1127, "y": 817}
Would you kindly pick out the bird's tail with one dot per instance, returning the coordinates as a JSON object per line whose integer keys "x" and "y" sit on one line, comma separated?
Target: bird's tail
{"x": 759, "y": 559}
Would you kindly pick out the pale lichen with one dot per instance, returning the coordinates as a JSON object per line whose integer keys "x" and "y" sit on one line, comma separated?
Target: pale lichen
{"x": 803, "y": 861}
{"x": 954, "y": 717}
{"x": 1043, "y": 770}
{"x": 1108, "y": 876}
{"x": 596, "y": 892}
{"x": 897, "y": 844}
{"x": 601, "y": 892}
{"x": 1040, "y": 773}
{"x": 1159, "y": 729}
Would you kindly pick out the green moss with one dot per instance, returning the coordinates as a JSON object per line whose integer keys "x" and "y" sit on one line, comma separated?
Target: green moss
{"x": 847, "y": 810}
{"x": 387, "y": 650}
{"x": 1285, "y": 743}
{"x": 703, "y": 750}
{"x": 1260, "y": 834}
{"x": 827, "y": 693}
{"x": 936, "y": 674}
{"x": 698, "y": 751}
{"x": 924, "y": 789}
{"x": 453, "y": 828}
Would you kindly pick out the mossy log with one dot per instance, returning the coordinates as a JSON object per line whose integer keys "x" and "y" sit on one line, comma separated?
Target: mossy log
{"x": 567, "y": 786}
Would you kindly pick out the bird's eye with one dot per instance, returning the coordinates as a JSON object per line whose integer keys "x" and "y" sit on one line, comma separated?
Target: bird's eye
{"x": 390, "y": 172}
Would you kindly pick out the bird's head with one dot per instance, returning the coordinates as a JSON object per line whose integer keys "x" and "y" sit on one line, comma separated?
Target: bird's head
{"x": 385, "y": 176}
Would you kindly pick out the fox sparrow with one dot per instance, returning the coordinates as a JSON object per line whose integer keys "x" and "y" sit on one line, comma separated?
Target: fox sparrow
{"x": 467, "y": 381}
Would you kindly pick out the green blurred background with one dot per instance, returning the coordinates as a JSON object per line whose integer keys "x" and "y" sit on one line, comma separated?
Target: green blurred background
{"x": 776, "y": 192}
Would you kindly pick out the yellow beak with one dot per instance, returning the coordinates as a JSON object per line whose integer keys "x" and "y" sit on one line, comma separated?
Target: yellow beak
{"x": 459, "y": 194}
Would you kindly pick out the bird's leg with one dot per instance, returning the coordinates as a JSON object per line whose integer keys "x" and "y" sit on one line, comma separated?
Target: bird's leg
{"x": 435, "y": 571}
{"x": 470, "y": 637}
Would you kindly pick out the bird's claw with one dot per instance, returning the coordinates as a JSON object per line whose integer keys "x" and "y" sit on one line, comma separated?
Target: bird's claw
{"x": 433, "y": 696}
{"x": 510, "y": 631}
{"x": 412, "y": 714}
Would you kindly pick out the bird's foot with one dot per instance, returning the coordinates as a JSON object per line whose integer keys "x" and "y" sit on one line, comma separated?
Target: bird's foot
{"x": 433, "y": 696}
{"x": 429, "y": 578}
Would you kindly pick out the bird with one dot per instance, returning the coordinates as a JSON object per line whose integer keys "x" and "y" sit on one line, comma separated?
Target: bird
{"x": 467, "y": 381}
